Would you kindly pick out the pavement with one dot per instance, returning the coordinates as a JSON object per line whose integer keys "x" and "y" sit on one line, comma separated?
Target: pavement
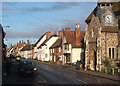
{"x": 94, "y": 73}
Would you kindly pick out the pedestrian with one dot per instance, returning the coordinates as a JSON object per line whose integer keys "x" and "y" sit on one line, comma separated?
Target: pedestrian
{"x": 78, "y": 65}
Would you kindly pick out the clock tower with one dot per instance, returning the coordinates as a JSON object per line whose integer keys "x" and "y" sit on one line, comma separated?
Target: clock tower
{"x": 106, "y": 14}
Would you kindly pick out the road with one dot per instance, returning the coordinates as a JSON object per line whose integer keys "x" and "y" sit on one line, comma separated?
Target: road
{"x": 27, "y": 79}
{"x": 47, "y": 74}
{"x": 58, "y": 75}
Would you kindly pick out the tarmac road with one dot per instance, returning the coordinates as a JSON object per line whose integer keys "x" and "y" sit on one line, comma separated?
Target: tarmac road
{"x": 48, "y": 74}
{"x": 58, "y": 75}
{"x": 27, "y": 79}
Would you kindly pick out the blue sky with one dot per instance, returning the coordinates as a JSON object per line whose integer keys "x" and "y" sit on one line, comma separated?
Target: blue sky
{"x": 30, "y": 20}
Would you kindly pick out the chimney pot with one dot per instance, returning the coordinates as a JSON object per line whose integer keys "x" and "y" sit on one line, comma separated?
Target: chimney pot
{"x": 28, "y": 42}
{"x": 54, "y": 33}
{"x": 67, "y": 29}
{"x": 48, "y": 34}
{"x": 19, "y": 41}
{"x": 60, "y": 33}
{"x": 77, "y": 27}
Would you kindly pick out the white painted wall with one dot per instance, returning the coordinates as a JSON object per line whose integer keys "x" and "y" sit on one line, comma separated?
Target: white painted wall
{"x": 37, "y": 50}
{"x": 41, "y": 41}
{"x": 45, "y": 49}
{"x": 26, "y": 54}
{"x": 76, "y": 55}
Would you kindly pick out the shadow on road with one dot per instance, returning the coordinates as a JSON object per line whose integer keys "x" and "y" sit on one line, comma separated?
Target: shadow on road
{"x": 15, "y": 79}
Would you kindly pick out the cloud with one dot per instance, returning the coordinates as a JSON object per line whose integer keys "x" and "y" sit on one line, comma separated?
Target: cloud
{"x": 20, "y": 34}
{"x": 56, "y": 7}
{"x": 34, "y": 32}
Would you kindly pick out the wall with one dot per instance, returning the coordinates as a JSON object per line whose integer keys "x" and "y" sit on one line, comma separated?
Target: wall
{"x": 35, "y": 48}
{"x": 1, "y": 57}
{"x": 49, "y": 44}
{"x": 76, "y": 55}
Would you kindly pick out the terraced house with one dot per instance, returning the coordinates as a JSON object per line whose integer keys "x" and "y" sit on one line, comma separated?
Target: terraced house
{"x": 103, "y": 36}
{"x": 45, "y": 46}
{"x": 37, "y": 51}
{"x": 72, "y": 45}
{"x": 56, "y": 49}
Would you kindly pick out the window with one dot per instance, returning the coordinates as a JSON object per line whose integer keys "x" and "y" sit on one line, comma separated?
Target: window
{"x": 59, "y": 49}
{"x": 103, "y": 4}
{"x": 65, "y": 47}
{"x": 92, "y": 32}
{"x": 107, "y": 4}
{"x": 109, "y": 52}
{"x": 53, "y": 50}
{"x": 113, "y": 53}
{"x": 68, "y": 47}
{"x": 45, "y": 55}
{"x": 50, "y": 50}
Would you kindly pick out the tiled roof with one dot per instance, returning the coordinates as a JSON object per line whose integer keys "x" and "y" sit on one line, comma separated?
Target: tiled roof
{"x": 57, "y": 44}
{"x": 70, "y": 37}
{"x": 39, "y": 40}
{"x": 44, "y": 43}
{"x": 20, "y": 45}
{"x": 27, "y": 47}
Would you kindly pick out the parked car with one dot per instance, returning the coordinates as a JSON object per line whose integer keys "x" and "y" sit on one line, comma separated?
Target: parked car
{"x": 74, "y": 64}
{"x": 25, "y": 66}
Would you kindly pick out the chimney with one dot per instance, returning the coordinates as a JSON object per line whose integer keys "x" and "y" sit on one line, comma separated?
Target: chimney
{"x": 34, "y": 42}
{"x": 77, "y": 27}
{"x": 48, "y": 34}
{"x": 28, "y": 42}
{"x": 19, "y": 41}
{"x": 60, "y": 33}
{"x": 77, "y": 34}
{"x": 67, "y": 29}
{"x": 54, "y": 33}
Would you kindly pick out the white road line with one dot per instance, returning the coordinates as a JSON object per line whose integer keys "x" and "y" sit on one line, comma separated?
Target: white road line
{"x": 81, "y": 81}
{"x": 76, "y": 79}
{"x": 67, "y": 75}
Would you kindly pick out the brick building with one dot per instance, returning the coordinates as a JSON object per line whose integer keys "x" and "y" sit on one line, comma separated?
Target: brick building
{"x": 56, "y": 50}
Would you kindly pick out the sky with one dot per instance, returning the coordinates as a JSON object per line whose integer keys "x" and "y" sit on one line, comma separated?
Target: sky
{"x": 30, "y": 20}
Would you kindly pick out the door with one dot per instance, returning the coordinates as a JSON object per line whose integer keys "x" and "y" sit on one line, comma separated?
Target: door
{"x": 93, "y": 60}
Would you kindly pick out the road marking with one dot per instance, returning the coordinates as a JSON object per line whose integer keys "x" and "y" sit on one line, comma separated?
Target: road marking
{"x": 81, "y": 81}
{"x": 67, "y": 75}
{"x": 42, "y": 80}
{"x": 76, "y": 79}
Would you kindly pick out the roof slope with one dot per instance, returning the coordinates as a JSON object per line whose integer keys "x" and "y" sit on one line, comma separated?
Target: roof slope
{"x": 57, "y": 44}
{"x": 27, "y": 47}
{"x": 44, "y": 43}
{"x": 70, "y": 37}
{"x": 39, "y": 40}
{"x": 115, "y": 8}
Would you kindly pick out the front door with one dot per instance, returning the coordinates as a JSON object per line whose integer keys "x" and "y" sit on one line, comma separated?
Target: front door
{"x": 93, "y": 60}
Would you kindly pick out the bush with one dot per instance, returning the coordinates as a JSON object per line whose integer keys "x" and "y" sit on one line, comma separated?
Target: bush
{"x": 109, "y": 70}
{"x": 106, "y": 62}
{"x": 102, "y": 71}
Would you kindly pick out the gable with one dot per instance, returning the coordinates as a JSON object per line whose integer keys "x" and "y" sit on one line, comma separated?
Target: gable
{"x": 43, "y": 38}
{"x": 94, "y": 22}
{"x": 64, "y": 39}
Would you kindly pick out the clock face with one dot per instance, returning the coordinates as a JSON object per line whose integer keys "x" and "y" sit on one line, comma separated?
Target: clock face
{"x": 108, "y": 18}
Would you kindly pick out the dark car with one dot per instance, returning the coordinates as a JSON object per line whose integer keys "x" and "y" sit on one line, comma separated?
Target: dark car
{"x": 25, "y": 66}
